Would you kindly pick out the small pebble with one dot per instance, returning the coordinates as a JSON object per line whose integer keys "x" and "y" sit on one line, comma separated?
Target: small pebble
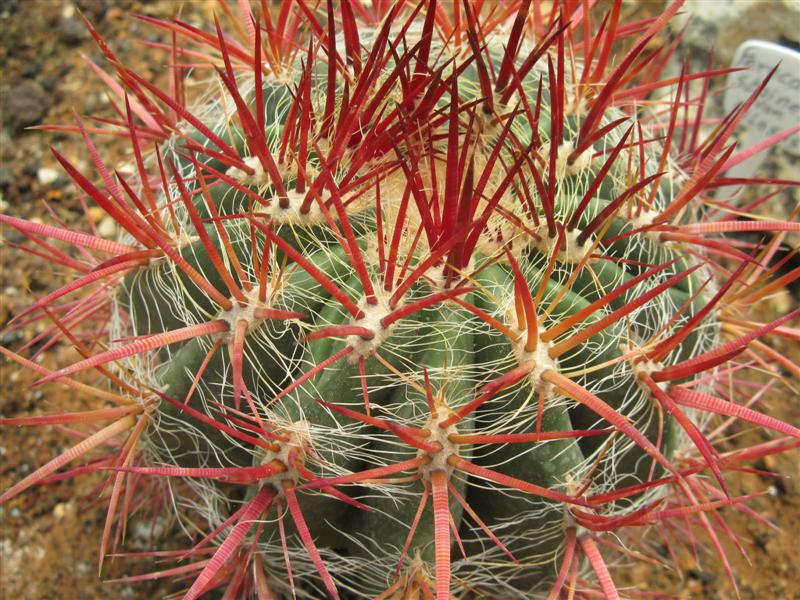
{"x": 96, "y": 214}
{"x": 59, "y": 511}
{"x": 46, "y": 176}
{"x": 127, "y": 168}
{"x": 71, "y": 31}
{"x": 25, "y": 104}
{"x": 107, "y": 228}
{"x": 31, "y": 71}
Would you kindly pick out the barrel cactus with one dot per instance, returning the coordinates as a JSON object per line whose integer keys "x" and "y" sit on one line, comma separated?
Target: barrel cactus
{"x": 416, "y": 300}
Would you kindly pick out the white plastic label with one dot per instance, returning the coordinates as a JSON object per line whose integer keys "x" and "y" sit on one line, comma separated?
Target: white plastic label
{"x": 778, "y": 106}
{"x": 776, "y": 109}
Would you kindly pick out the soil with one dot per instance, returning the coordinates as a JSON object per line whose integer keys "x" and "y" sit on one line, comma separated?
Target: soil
{"x": 49, "y": 535}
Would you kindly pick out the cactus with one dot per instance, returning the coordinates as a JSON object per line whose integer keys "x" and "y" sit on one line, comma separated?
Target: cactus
{"x": 414, "y": 301}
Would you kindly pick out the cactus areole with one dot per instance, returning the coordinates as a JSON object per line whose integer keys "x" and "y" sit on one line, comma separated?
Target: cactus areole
{"x": 417, "y": 300}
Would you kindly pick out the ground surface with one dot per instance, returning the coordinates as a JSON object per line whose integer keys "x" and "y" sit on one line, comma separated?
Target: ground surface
{"x": 49, "y": 536}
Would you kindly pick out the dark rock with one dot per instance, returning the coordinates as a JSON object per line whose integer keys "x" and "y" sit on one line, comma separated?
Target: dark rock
{"x": 9, "y": 338}
{"x": 6, "y": 177}
{"x": 14, "y": 236}
{"x": 793, "y": 44}
{"x": 49, "y": 84}
{"x": 8, "y": 151}
{"x": 761, "y": 540}
{"x": 72, "y": 31}
{"x": 701, "y": 576}
{"x": 31, "y": 71}
{"x": 25, "y": 104}
{"x": 94, "y": 10}
{"x": 61, "y": 182}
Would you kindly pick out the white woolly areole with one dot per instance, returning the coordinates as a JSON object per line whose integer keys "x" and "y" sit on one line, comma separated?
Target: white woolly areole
{"x": 292, "y": 214}
{"x": 299, "y": 434}
{"x": 642, "y": 368}
{"x": 243, "y": 312}
{"x": 573, "y": 252}
{"x": 645, "y": 218}
{"x": 437, "y": 278}
{"x": 439, "y": 435}
{"x": 373, "y": 314}
{"x": 257, "y": 179}
{"x": 563, "y": 166}
{"x": 540, "y": 359}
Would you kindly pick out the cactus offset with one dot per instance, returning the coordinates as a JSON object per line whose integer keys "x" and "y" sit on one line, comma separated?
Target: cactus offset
{"x": 427, "y": 310}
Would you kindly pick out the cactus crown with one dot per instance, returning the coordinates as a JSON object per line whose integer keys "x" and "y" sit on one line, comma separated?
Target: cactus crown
{"x": 415, "y": 300}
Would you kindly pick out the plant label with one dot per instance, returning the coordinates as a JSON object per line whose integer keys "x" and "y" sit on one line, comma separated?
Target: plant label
{"x": 777, "y": 108}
